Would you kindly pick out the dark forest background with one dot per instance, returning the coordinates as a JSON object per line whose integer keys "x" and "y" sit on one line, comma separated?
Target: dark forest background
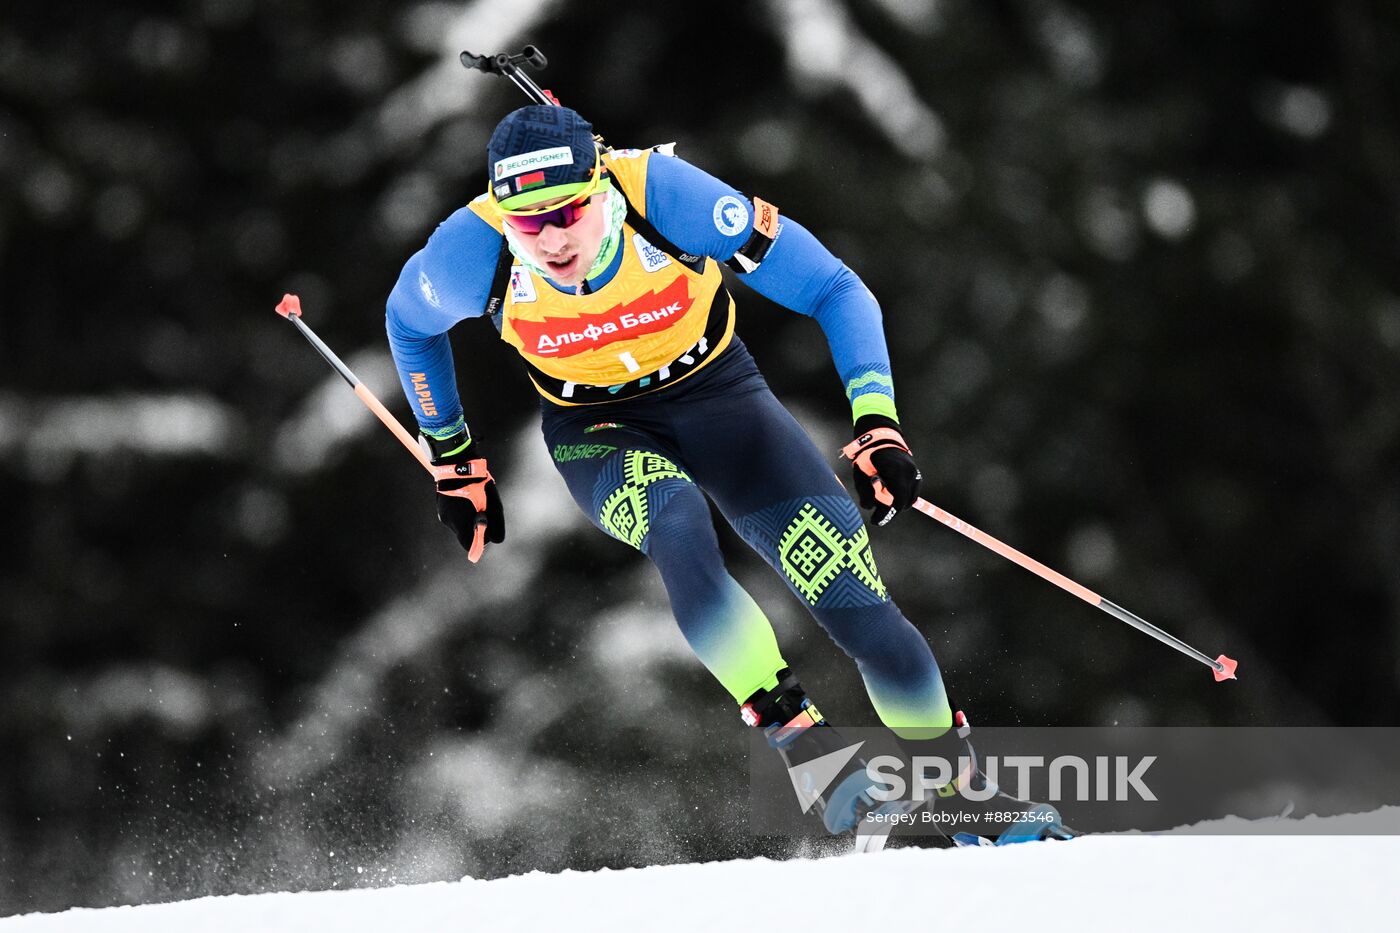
{"x": 1138, "y": 266}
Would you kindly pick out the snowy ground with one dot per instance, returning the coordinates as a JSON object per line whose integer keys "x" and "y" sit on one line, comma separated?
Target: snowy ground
{"x": 1179, "y": 882}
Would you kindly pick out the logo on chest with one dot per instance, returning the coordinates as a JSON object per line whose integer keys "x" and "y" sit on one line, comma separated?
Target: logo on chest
{"x": 522, "y": 287}
{"x": 567, "y": 336}
{"x": 651, "y": 257}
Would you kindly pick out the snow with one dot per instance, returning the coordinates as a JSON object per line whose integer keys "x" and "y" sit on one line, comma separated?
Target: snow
{"x": 1113, "y": 882}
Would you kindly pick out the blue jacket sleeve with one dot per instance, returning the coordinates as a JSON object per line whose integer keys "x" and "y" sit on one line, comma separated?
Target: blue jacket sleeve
{"x": 703, "y": 215}
{"x": 447, "y": 281}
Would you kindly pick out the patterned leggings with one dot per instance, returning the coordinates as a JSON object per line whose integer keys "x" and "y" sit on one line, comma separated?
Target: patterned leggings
{"x": 640, "y": 469}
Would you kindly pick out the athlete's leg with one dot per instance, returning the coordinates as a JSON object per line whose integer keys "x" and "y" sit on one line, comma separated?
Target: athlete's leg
{"x": 631, "y": 485}
{"x": 780, "y": 494}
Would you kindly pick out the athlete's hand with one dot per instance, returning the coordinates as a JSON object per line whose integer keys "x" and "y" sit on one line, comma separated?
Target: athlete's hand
{"x": 887, "y": 478}
{"x": 467, "y": 499}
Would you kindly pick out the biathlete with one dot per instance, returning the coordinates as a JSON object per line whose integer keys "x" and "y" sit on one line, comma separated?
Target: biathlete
{"x": 600, "y": 268}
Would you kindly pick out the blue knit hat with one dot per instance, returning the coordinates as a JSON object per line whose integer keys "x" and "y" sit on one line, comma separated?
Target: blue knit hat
{"x": 537, "y": 149}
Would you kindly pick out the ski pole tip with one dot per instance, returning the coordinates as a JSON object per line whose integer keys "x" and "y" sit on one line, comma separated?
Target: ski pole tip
{"x": 289, "y": 305}
{"x": 1226, "y": 670}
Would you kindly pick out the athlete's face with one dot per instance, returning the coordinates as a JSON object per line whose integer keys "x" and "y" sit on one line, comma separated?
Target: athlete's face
{"x": 567, "y": 253}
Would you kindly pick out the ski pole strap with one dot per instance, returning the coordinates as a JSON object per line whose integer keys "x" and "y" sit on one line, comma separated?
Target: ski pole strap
{"x": 473, "y": 472}
{"x": 860, "y": 450}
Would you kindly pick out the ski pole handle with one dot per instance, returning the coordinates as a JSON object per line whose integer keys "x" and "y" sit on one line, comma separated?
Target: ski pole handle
{"x": 1223, "y": 667}
{"x": 475, "y": 493}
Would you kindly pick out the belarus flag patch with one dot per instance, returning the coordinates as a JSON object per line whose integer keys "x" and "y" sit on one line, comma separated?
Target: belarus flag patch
{"x": 526, "y": 182}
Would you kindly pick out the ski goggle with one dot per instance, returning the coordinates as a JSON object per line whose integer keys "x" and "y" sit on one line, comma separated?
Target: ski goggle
{"x": 562, "y": 216}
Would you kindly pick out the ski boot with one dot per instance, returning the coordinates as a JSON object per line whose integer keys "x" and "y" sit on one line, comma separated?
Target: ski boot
{"x": 826, "y": 773}
{"x": 1038, "y": 820}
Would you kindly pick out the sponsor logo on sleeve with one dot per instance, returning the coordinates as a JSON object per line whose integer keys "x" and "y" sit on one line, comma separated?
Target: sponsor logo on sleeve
{"x": 766, "y": 218}
{"x": 430, "y": 295}
{"x": 522, "y": 286}
{"x": 731, "y": 215}
{"x": 424, "y": 394}
{"x": 651, "y": 257}
{"x": 529, "y": 161}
